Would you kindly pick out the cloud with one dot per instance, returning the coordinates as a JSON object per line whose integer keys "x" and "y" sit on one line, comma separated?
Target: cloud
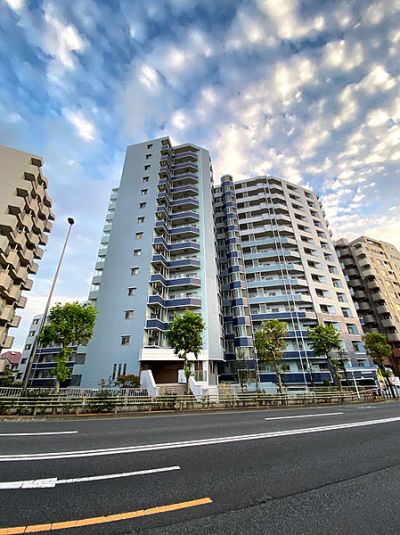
{"x": 84, "y": 128}
{"x": 16, "y": 5}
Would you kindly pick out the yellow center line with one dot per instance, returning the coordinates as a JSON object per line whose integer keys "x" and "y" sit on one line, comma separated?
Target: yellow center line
{"x": 35, "y": 528}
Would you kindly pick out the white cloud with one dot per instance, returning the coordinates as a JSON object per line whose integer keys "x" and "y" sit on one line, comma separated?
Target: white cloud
{"x": 16, "y": 5}
{"x": 61, "y": 40}
{"x": 286, "y": 21}
{"x": 377, "y": 117}
{"x": 84, "y": 128}
{"x": 343, "y": 55}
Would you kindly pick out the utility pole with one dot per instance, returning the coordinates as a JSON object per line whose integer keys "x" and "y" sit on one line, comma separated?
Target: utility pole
{"x": 46, "y": 310}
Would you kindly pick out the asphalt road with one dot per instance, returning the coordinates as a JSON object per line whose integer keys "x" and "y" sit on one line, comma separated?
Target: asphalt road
{"x": 316, "y": 470}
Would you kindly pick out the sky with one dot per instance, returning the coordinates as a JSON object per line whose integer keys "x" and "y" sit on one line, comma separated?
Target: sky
{"x": 304, "y": 90}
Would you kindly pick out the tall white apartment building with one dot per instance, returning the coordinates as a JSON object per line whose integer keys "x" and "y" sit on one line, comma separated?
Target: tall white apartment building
{"x": 157, "y": 257}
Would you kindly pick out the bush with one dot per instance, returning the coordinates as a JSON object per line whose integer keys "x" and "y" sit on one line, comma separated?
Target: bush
{"x": 104, "y": 401}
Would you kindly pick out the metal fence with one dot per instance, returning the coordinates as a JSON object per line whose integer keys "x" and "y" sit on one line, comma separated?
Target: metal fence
{"x": 71, "y": 392}
{"x": 104, "y": 401}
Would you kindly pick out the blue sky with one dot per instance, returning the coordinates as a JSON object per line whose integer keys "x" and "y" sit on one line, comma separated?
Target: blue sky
{"x": 308, "y": 91}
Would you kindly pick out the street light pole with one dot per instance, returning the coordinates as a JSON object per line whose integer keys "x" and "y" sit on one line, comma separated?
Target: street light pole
{"x": 46, "y": 310}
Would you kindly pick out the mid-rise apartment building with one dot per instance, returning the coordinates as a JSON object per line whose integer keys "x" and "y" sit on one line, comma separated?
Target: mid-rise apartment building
{"x": 372, "y": 270}
{"x": 277, "y": 261}
{"x": 25, "y": 218}
{"x": 157, "y": 257}
{"x": 41, "y": 374}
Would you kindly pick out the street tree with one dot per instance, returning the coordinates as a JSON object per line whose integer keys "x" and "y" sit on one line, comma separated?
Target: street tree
{"x": 66, "y": 325}
{"x": 270, "y": 345}
{"x": 379, "y": 351}
{"x": 323, "y": 340}
{"x": 185, "y": 337}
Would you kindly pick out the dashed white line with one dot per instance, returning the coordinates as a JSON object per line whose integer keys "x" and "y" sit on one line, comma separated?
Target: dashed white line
{"x": 53, "y": 481}
{"x": 304, "y": 416}
{"x": 190, "y": 443}
{"x": 38, "y": 434}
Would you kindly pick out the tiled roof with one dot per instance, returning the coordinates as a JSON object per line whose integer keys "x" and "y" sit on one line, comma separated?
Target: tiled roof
{"x": 13, "y": 357}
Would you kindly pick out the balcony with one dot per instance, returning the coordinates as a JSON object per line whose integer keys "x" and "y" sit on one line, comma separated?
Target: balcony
{"x": 183, "y": 282}
{"x": 282, "y": 298}
{"x": 369, "y": 318}
{"x": 184, "y": 189}
{"x": 183, "y": 231}
{"x": 154, "y": 323}
{"x": 4, "y": 245}
{"x": 174, "y": 303}
{"x": 389, "y": 323}
{"x": 185, "y": 178}
{"x": 175, "y": 264}
{"x": 7, "y": 313}
{"x": 6, "y": 341}
{"x": 276, "y": 283}
{"x": 178, "y": 247}
{"x": 5, "y": 282}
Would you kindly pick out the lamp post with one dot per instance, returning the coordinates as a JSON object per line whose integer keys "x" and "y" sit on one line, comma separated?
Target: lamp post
{"x": 35, "y": 345}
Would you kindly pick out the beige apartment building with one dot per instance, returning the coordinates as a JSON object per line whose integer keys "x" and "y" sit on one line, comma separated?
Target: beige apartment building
{"x": 372, "y": 271}
{"x": 25, "y": 217}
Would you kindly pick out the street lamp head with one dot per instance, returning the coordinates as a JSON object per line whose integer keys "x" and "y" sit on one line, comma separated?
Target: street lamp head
{"x": 70, "y": 220}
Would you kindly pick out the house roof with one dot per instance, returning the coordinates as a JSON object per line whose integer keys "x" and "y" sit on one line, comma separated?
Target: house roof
{"x": 13, "y": 357}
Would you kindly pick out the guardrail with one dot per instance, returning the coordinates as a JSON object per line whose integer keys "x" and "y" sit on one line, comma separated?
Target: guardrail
{"x": 105, "y": 402}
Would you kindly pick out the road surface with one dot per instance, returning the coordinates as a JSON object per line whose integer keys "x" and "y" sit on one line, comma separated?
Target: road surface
{"x": 332, "y": 469}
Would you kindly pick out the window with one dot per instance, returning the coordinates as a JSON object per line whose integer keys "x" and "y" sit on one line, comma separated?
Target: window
{"x": 35, "y": 322}
{"x": 140, "y": 220}
{"x": 128, "y": 314}
{"x": 145, "y": 179}
{"x": 144, "y": 192}
{"x": 135, "y": 271}
{"x": 125, "y": 341}
{"x": 147, "y": 167}
{"x": 32, "y": 333}
{"x": 149, "y": 146}
{"x": 358, "y": 347}
{"x": 352, "y": 329}
{"x": 28, "y": 346}
{"x": 137, "y": 252}
{"x": 23, "y": 361}
{"x": 139, "y": 235}
{"x": 142, "y": 205}
{"x": 132, "y": 291}
{"x": 148, "y": 156}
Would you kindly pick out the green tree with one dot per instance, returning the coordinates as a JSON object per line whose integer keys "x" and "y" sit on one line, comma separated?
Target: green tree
{"x": 67, "y": 325}
{"x": 379, "y": 351}
{"x": 270, "y": 345}
{"x": 185, "y": 337}
{"x": 323, "y": 340}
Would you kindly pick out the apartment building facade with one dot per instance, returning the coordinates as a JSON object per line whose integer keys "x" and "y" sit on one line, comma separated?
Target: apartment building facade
{"x": 41, "y": 374}
{"x": 277, "y": 261}
{"x": 157, "y": 257}
{"x": 25, "y": 220}
{"x": 372, "y": 270}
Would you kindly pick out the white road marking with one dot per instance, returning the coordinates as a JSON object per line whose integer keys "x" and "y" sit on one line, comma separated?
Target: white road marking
{"x": 52, "y": 482}
{"x": 189, "y": 443}
{"x": 304, "y": 416}
{"x": 38, "y": 434}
